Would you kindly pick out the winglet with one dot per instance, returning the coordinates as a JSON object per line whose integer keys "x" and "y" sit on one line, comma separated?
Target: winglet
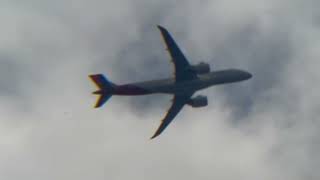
{"x": 160, "y": 27}
{"x": 157, "y": 133}
{"x": 163, "y": 31}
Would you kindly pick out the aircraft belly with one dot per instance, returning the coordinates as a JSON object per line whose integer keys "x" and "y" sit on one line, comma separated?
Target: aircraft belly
{"x": 165, "y": 88}
{"x": 182, "y": 88}
{"x": 157, "y": 86}
{"x": 170, "y": 87}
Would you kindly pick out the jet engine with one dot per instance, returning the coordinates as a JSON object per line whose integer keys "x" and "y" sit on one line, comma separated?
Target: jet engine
{"x": 201, "y": 68}
{"x": 198, "y": 101}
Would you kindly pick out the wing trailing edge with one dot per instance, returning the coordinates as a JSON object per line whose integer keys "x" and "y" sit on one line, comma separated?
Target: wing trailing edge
{"x": 177, "y": 104}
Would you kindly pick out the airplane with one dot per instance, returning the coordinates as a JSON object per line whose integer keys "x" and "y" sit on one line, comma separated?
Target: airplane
{"x": 186, "y": 81}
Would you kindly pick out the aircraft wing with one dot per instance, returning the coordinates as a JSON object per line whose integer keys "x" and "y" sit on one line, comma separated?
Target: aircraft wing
{"x": 178, "y": 102}
{"x": 181, "y": 65}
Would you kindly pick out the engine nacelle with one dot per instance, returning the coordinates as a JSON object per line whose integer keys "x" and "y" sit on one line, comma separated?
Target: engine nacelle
{"x": 201, "y": 68}
{"x": 198, "y": 101}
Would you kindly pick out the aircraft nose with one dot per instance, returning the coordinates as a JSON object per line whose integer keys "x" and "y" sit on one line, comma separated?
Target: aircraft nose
{"x": 247, "y": 75}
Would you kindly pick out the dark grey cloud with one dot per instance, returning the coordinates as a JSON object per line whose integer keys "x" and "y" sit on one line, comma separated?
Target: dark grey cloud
{"x": 48, "y": 129}
{"x": 9, "y": 84}
{"x": 264, "y": 54}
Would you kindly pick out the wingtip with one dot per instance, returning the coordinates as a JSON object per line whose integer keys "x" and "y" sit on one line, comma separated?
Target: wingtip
{"x": 157, "y": 133}
{"x": 154, "y": 136}
{"x": 161, "y": 28}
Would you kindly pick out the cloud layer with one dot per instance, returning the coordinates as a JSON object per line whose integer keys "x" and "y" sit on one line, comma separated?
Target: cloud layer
{"x": 265, "y": 128}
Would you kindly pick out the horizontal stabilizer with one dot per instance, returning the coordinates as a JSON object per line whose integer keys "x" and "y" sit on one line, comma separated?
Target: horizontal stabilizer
{"x": 102, "y": 99}
{"x": 105, "y": 91}
{"x": 102, "y": 82}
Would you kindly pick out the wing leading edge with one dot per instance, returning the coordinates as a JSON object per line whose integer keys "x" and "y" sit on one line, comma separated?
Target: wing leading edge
{"x": 181, "y": 64}
{"x": 178, "y": 102}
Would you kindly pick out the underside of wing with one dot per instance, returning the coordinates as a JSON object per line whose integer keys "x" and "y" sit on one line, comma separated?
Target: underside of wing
{"x": 181, "y": 64}
{"x": 177, "y": 105}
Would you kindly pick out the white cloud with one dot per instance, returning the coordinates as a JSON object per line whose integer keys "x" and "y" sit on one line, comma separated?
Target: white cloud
{"x": 49, "y": 130}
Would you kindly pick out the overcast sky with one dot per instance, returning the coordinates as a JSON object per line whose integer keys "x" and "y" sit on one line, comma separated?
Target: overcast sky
{"x": 264, "y": 128}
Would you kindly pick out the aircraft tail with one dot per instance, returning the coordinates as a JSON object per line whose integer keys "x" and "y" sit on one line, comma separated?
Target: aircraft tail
{"x": 106, "y": 88}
